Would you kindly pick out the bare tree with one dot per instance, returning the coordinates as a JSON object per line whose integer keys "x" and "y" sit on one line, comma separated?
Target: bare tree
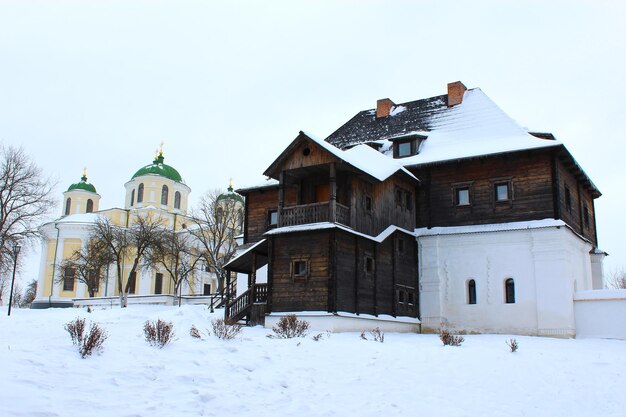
{"x": 177, "y": 253}
{"x": 217, "y": 221}
{"x": 617, "y": 279}
{"x": 5, "y": 284}
{"x": 127, "y": 242}
{"x": 29, "y": 294}
{"x": 25, "y": 199}
{"x": 88, "y": 264}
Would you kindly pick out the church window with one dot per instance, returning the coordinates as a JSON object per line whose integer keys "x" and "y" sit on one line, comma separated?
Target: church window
{"x": 471, "y": 292}
{"x": 132, "y": 197}
{"x": 509, "y": 290}
{"x": 586, "y": 216}
{"x": 90, "y": 206}
{"x": 177, "y": 200}
{"x": 240, "y": 218}
{"x": 219, "y": 215}
{"x": 368, "y": 204}
{"x": 68, "y": 206}
{"x": 132, "y": 281}
{"x": 502, "y": 191}
{"x": 68, "y": 279}
{"x": 140, "y": 193}
{"x": 158, "y": 283}
{"x": 164, "y": 195}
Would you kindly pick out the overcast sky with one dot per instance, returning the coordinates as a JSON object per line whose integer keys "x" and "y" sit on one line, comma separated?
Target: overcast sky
{"x": 228, "y": 84}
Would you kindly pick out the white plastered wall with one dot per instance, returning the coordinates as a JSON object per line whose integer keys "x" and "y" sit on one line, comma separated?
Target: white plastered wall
{"x": 546, "y": 264}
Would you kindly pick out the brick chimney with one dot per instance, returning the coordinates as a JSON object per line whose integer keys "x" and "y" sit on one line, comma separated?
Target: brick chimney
{"x": 383, "y": 107}
{"x": 455, "y": 93}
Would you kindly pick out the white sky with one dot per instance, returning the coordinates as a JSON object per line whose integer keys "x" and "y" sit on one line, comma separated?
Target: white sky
{"x": 227, "y": 85}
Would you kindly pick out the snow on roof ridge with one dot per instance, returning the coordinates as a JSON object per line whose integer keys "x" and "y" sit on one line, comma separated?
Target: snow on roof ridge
{"x": 492, "y": 227}
{"x": 328, "y": 225}
{"x": 366, "y": 159}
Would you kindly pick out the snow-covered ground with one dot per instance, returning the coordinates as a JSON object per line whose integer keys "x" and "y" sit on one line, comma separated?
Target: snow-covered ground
{"x": 42, "y": 374}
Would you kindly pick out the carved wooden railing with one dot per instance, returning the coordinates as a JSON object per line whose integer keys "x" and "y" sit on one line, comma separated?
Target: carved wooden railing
{"x": 313, "y": 213}
{"x": 240, "y": 307}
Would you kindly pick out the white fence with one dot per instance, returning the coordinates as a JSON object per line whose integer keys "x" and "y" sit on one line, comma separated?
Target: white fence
{"x": 600, "y": 313}
{"x": 162, "y": 299}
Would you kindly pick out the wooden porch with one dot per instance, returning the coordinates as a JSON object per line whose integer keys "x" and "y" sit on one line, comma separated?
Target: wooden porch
{"x": 249, "y": 305}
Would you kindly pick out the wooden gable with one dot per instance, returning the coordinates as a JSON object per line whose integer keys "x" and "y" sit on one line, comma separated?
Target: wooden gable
{"x": 303, "y": 152}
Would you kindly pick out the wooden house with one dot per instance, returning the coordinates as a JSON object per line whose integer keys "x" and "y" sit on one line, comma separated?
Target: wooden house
{"x": 441, "y": 211}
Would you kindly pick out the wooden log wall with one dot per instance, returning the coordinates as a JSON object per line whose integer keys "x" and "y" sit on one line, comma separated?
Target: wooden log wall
{"x": 530, "y": 174}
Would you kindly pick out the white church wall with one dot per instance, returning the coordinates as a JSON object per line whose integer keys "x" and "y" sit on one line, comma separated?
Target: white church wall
{"x": 599, "y": 314}
{"x": 544, "y": 264}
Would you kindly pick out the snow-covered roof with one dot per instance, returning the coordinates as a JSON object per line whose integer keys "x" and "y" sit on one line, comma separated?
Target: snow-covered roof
{"x": 486, "y": 228}
{"x": 328, "y": 225}
{"x": 473, "y": 128}
{"x": 80, "y": 218}
{"x": 361, "y": 157}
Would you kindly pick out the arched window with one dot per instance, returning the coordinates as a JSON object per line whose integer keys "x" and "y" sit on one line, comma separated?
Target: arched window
{"x": 132, "y": 197}
{"x": 471, "y": 292}
{"x": 164, "y": 192}
{"x": 68, "y": 206}
{"x": 140, "y": 193}
{"x": 219, "y": 214}
{"x": 90, "y": 206}
{"x": 509, "y": 290}
{"x": 177, "y": 200}
{"x": 240, "y": 218}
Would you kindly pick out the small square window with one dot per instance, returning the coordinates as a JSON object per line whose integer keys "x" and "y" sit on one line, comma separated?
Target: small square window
{"x": 404, "y": 149}
{"x": 568, "y": 199}
{"x": 299, "y": 269}
{"x": 502, "y": 191}
{"x": 272, "y": 218}
{"x": 369, "y": 264}
{"x": 463, "y": 196}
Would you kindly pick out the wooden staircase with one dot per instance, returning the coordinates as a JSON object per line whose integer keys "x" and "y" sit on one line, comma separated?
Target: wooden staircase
{"x": 249, "y": 305}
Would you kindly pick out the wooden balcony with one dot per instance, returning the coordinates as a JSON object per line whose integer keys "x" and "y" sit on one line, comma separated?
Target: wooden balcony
{"x": 313, "y": 213}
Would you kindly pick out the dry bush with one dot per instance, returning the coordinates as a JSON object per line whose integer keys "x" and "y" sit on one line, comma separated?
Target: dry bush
{"x": 194, "y": 332}
{"x": 158, "y": 333}
{"x": 76, "y": 328}
{"x": 225, "y": 331}
{"x": 87, "y": 343}
{"x": 318, "y": 337}
{"x": 513, "y": 345}
{"x": 93, "y": 341}
{"x": 289, "y": 326}
{"x": 376, "y": 334}
{"x": 448, "y": 339}
{"x": 616, "y": 280}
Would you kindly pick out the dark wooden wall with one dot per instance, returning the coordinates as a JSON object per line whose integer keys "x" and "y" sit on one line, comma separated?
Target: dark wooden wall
{"x": 530, "y": 174}
{"x": 385, "y": 211}
{"x": 375, "y": 293}
{"x": 580, "y": 198}
{"x": 312, "y": 293}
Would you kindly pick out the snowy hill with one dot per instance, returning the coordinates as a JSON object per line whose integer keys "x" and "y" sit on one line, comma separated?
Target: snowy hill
{"x": 340, "y": 375}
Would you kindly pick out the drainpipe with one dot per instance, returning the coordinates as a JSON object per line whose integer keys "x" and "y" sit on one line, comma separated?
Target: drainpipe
{"x": 54, "y": 266}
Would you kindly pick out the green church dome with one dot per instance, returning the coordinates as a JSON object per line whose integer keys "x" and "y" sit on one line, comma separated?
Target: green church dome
{"x": 230, "y": 195}
{"x": 83, "y": 185}
{"x": 157, "y": 167}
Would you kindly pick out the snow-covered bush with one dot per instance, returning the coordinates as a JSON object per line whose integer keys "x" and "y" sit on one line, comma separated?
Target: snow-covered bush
{"x": 225, "y": 331}
{"x": 513, "y": 345}
{"x": 76, "y": 328}
{"x": 158, "y": 333}
{"x": 87, "y": 343}
{"x": 289, "y": 326}
{"x": 93, "y": 341}
{"x": 194, "y": 332}
{"x": 448, "y": 339}
{"x": 376, "y": 334}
